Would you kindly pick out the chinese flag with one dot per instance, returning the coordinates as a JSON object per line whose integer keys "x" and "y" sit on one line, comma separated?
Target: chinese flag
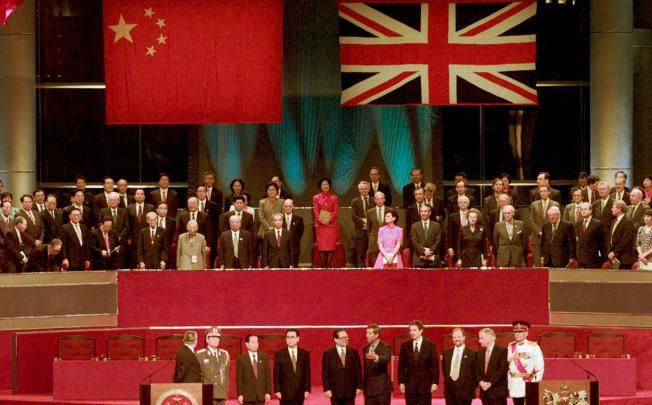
{"x": 7, "y": 7}
{"x": 193, "y": 61}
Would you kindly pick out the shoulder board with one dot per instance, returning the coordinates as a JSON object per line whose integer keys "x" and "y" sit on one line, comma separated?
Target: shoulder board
{"x": 224, "y": 351}
{"x": 201, "y": 351}
{"x": 532, "y": 343}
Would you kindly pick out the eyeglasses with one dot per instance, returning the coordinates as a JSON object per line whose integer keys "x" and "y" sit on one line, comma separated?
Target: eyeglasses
{"x": 343, "y": 337}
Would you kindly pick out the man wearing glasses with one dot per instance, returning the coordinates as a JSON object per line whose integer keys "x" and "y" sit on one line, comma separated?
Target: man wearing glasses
{"x": 341, "y": 373}
{"x": 525, "y": 362}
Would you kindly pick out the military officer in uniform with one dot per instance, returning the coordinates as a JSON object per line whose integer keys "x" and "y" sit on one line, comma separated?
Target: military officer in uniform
{"x": 214, "y": 363}
{"x": 525, "y": 362}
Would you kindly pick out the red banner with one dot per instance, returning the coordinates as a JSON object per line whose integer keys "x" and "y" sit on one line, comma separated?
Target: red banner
{"x": 7, "y": 7}
{"x": 193, "y": 61}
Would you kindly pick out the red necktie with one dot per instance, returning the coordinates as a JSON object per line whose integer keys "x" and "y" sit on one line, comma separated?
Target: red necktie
{"x": 584, "y": 227}
{"x": 139, "y": 213}
{"x": 153, "y": 233}
{"x": 278, "y": 238}
{"x": 106, "y": 242}
{"x": 254, "y": 364}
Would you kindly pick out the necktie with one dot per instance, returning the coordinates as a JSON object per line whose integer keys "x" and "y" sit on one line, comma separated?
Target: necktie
{"x": 343, "y": 357}
{"x": 106, "y": 242}
{"x": 487, "y": 356}
{"x": 619, "y": 196}
{"x": 577, "y": 213}
{"x": 139, "y": 213}
{"x": 52, "y": 214}
{"x": 510, "y": 230}
{"x": 364, "y": 204}
{"x": 554, "y": 229}
{"x": 201, "y": 206}
{"x": 124, "y": 200}
{"x": 630, "y": 212}
{"x": 115, "y": 216}
{"x": 425, "y": 228}
{"x": 293, "y": 358}
{"x": 288, "y": 221}
{"x": 545, "y": 208}
{"x": 161, "y": 223}
{"x": 380, "y": 217}
{"x": 153, "y": 234}
{"x": 254, "y": 364}
{"x": 611, "y": 238}
{"x": 585, "y": 225}
{"x": 192, "y": 216}
{"x": 278, "y": 238}
{"x": 455, "y": 366}
{"x": 31, "y": 216}
{"x": 79, "y": 234}
{"x": 415, "y": 352}
{"x": 164, "y": 195}
{"x": 235, "y": 244}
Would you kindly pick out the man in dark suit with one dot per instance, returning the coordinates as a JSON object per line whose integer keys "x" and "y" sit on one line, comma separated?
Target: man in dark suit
{"x": 123, "y": 191}
{"x": 15, "y": 241}
{"x": 602, "y": 206}
{"x": 582, "y": 184}
{"x": 165, "y": 194}
{"x": 408, "y": 189}
{"x": 340, "y": 371}
{"x": 35, "y": 228}
{"x": 277, "y": 249}
{"x": 214, "y": 211}
{"x": 52, "y": 219}
{"x": 152, "y": 250}
{"x": 460, "y": 191}
{"x": 620, "y": 238}
{"x": 460, "y": 176}
{"x": 376, "y": 382}
{"x": 101, "y": 200}
{"x": 232, "y": 239}
{"x": 418, "y": 367}
{"x": 104, "y": 242}
{"x": 202, "y": 218}
{"x": 619, "y": 192}
{"x": 360, "y": 236}
{"x": 458, "y": 367}
{"x": 247, "y": 222}
{"x": 543, "y": 179}
{"x": 137, "y": 213}
{"x": 436, "y": 203}
{"x": 213, "y": 193}
{"x": 412, "y": 213}
{"x": 425, "y": 236}
{"x": 456, "y": 221}
{"x": 80, "y": 185}
{"x": 76, "y": 240}
{"x": 119, "y": 226}
{"x": 169, "y": 226}
{"x": 294, "y": 225}
{"x": 47, "y": 257}
{"x": 376, "y": 185}
{"x": 187, "y": 368}
{"x": 490, "y": 202}
{"x": 636, "y": 209}
{"x": 86, "y": 212}
{"x": 292, "y": 371}
{"x": 590, "y": 193}
{"x": 375, "y": 220}
{"x": 558, "y": 243}
{"x": 491, "y": 369}
{"x": 252, "y": 375}
{"x": 590, "y": 239}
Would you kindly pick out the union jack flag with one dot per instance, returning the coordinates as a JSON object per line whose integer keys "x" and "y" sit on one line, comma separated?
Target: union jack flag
{"x": 438, "y": 52}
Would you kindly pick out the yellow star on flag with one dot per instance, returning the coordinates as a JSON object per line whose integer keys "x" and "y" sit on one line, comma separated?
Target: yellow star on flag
{"x": 122, "y": 30}
{"x": 161, "y": 39}
{"x": 149, "y": 12}
{"x": 150, "y": 51}
{"x": 161, "y": 23}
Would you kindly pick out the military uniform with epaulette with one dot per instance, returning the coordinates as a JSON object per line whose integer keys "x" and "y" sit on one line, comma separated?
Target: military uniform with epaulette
{"x": 214, "y": 364}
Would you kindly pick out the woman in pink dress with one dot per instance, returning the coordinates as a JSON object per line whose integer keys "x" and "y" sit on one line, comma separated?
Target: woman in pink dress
{"x": 390, "y": 237}
{"x": 647, "y": 189}
{"x": 327, "y": 230}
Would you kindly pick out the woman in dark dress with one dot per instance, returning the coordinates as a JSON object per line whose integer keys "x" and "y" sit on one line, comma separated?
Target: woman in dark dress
{"x": 471, "y": 242}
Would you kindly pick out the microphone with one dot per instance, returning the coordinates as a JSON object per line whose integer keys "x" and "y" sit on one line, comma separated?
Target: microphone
{"x": 588, "y": 373}
{"x": 149, "y": 377}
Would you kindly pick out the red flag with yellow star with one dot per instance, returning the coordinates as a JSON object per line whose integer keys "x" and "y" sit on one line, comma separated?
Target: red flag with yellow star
{"x": 193, "y": 61}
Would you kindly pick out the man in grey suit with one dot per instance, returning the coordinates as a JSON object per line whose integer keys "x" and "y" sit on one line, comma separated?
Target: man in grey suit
{"x": 572, "y": 212}
{"x": 635, "y": 211}
{"x": 426, "y": 237}
{"x": 539, "y": 217}
{"x": 376, "y": 219}
{"x": 510, "y": 240}
{"x": 191, "y": 248}
{"x": 360, "y": 237}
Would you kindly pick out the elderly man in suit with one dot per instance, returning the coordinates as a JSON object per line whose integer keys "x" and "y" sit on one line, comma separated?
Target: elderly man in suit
{"x": 252, "y": 375}
{"x": 418, "y": 367}
{"x": 277, "y": 249}
{"x": 360, "y": 237}
{"x": 491, "y": 369}
{"x": 292, "y": 371}
{"x": 105, "y": 246}
{"x": 52, "y": 219}
{"x": 14, "y": 247}
{"x": 637, "y": 208}
{"x": 191, "y": 248}
{"x": 572, "y": 211}
{"x": 35, "y": 228}
{"x": 377, "y": 354}
{"x": 47, "y": 257}
{"x": 620, "y": 238}
{"x": 294, "y": 225}
{"x": 510, "y": 240}
{"x": 458, "y": 367}
{"x": 137, "y": 212}
{"x": 236, "y": 246}
{"x": 375, "y": 220}
{"x": 169, "y": 225}
{"x": 119, "y": 224}
{"x": 602, "y": 206}
{"x": 490, "y": 202}
{"x": 247, "y": 219}
{"x": 426, "y": 237}
{"x": 340, "y": 371}
{"x": 558, "y": 243}
{"x": 376, "y": 185}
{"x": 76, "y": 243}
{"x": 187, "y": 368}
{"x": 539, "y": 217}
{"x": 152, "y": 252}
{"x": 590, "y": 239}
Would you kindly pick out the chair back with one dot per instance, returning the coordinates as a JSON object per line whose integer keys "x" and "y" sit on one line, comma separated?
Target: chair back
{"x": 167, "y": 346}
{"x": 471, "y": 341}
{"x": 232, "y": 344}
{"x": 606, "y": 344}
{"x": 557, "y": 344}
{"x": 504, "y": 338}
{"x": 125, "y": 347}
{"x": 76, "y": 347}
{"x": 270, "y": 343}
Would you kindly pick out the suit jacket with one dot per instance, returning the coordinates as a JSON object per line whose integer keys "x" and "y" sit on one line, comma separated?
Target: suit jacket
{"x": 136, "y": 225}
{"x": 186, "y": 250}
{"x": 291, "y": 383}
{"x": 53, "y": 226}
{"x": 97, "y": 245}
{"x": 376, "y": 376}
{"x": 420, "y": 241}
{"x": 625, "y": 196}
{"x": 585, "y": 195}
{"x": 273, "y": 255}
{"x": 120, "y": 225}
{"x": 385, "y": 189}
{"x": 130, "y": 200}
{"x": 13, "y": 252}
{"x": 247, "y": 385}
{"x": 489, "y": 203}
{"x": 187, "y": 369}
{"x": 537, "y": 217}
{"x": 412, "y": 215}
{"x": 620, "y": 240}
{"x": 245, "y": 249}
{"x": 451, "y": 203}
{"x": 247, "y": 221}
{"x": 5, "y": 226}
{"x": 438, "y": 208}
{"x": 265, "y": 213}
{"x": 493, "y": 218}
{"x": 557, "y": 249}
{"x": 496, "y": 372}
{"x": 603, "y": 215}
{"x": 296, "y": 233}
{"x": 214, "y": 211}
{"x": 510, "y": 252}
{"x": 635, "y": 214}
{"x": 216, "y": 197}
{"x": 35, "y": 229}
{"x": 408, "y": 194}
{"x": 171, "y": 199}
{"x": 99, "y": 202}
{"x": 341, "y": 380}
{"x": 569, "y": 213}
{"x": 151, "y": 253}
{"x": 555, "y": 195}
{"x": 40, "y": 261}
{"x": 420, "y": 373}
{"x": 590, "y": 244}
{"x": 373, "y": 226}
{"x": 203, "y": 221}
{"x": 466, "y": 383}
{"x": 75, "y": 253}
{"x": 87, "y": 217}
{"x": 359, "y": 215}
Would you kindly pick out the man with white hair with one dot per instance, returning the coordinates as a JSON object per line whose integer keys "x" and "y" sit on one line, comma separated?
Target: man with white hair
{"x": 456, "y": 221}
{"x": 590, "y": 239}
{"x": 602, "y": 206}
{"x": 491, "y": 369}
{"x": 510, "y": 240}
{"x": 557, "y": 241}
{"x": 191, "y": 248}
{"x": 120, "y": 224}
{"x": 194, "y": 213}
{"x": 637, "y": 208}
{"x": 236, "y": 246}
{"x": 539, "y": 217}
{"x": 152, "y": 249}
{"x": 360, "y": 235}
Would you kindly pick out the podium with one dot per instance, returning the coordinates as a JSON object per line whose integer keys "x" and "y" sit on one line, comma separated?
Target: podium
{"x": 182, "y": 394}
{"x": 549, "y": 392}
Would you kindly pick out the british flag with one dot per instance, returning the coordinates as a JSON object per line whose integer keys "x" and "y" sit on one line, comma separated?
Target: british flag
{"x": 438, "y": 52}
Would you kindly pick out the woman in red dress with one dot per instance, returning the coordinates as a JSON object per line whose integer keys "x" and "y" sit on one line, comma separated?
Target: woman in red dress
{"x": 327, "y": 230}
